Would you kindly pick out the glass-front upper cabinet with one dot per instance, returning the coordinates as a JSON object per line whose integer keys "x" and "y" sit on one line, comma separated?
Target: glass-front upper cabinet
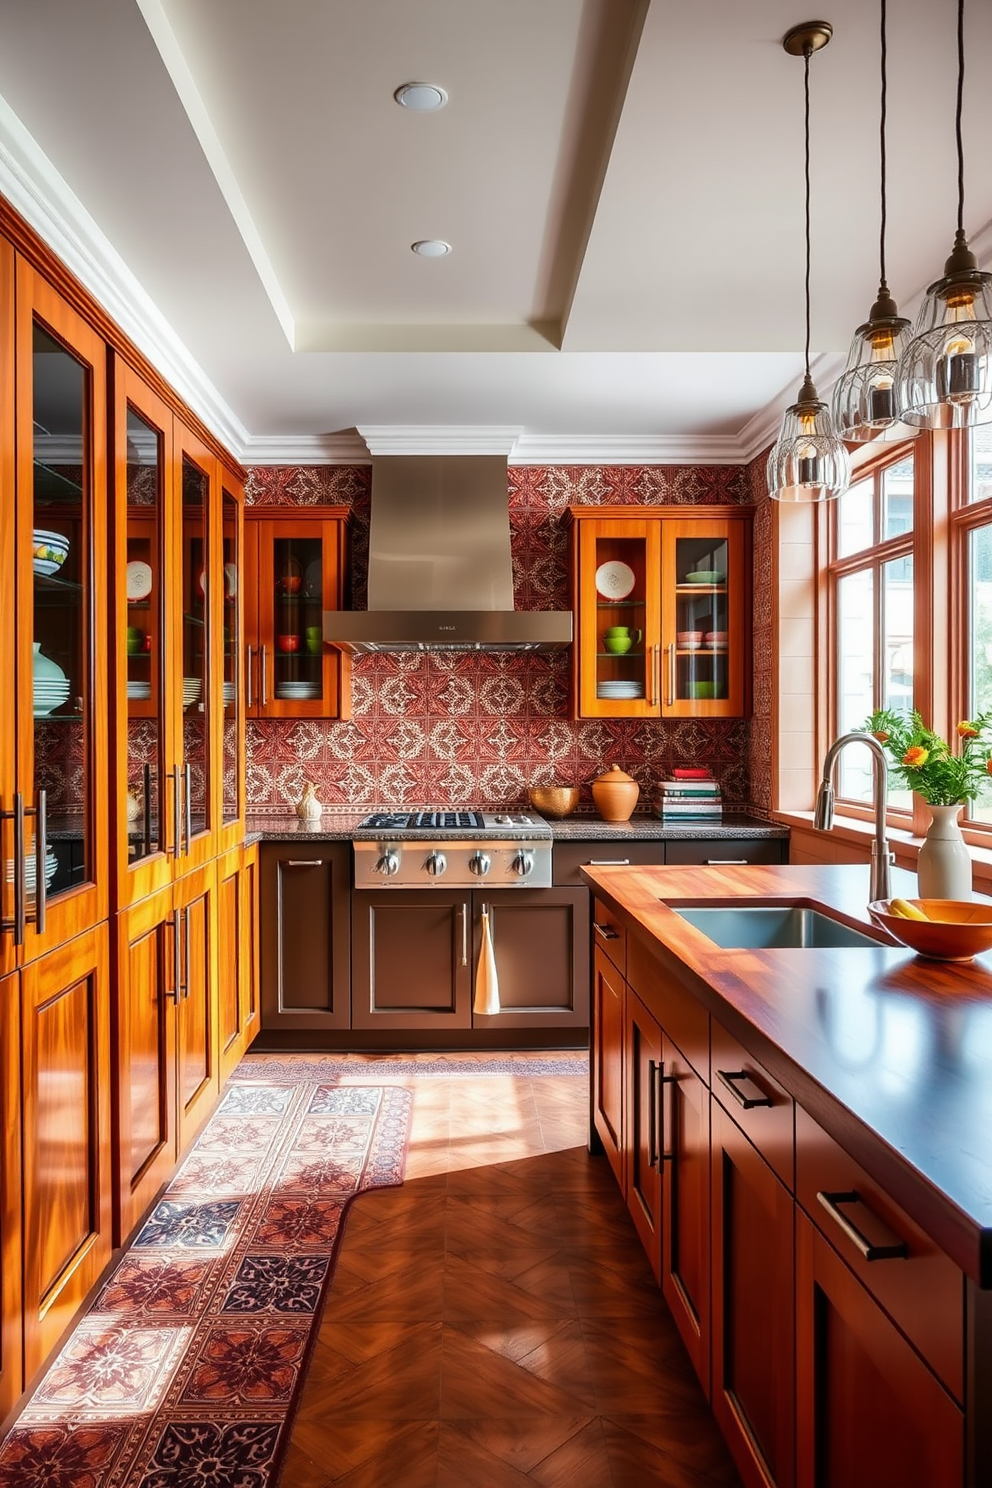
{"x": 660, "y": 603}
{"x": 296, "y": 571}
{"x": 144, "y": 582}
{"x": 232, "y": 740}
{"x": 58, "y": 867}
{"x": 197, "y": 610}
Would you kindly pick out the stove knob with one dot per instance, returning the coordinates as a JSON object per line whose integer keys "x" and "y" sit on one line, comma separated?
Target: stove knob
{"x": 523, "y": 863}
{"x": 388, "y": 864}
{"x": 436, "y": 864}
{"x": 480, "y": 863}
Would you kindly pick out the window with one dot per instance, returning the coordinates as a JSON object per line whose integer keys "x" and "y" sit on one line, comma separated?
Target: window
{"x": 972, "y": 526}
{"x": 871, "y": 599}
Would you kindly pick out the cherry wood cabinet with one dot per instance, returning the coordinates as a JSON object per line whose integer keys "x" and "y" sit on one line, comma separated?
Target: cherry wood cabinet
{"x": 66, "y": 1133}
{"x": 238, "y": 1012}
{"x": 11, "y": 1330}
{"x": 197, "y": 1038}
{"x": 753, "y": 1322}
{"x": 643, "y": 1067}
{"x": 685, "y": 1141}
{"x": 661, "y": 602}
{"x": 870, "y": 1413}
{"x": 608, "y": 1061}
{"x": 295, "y": 570}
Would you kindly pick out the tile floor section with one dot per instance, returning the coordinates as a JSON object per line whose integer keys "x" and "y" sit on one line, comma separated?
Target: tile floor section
{"x": 494, "y": 1322}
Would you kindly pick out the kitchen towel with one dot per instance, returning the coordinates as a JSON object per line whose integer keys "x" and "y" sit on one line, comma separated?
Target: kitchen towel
{"x": 486, "y": 979}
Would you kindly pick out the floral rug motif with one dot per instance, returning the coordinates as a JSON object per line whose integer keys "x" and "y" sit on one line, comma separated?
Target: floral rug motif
{"x": 186, "y": 1368}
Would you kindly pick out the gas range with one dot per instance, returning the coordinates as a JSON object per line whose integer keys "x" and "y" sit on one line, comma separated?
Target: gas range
{"x": 437, "y": 849}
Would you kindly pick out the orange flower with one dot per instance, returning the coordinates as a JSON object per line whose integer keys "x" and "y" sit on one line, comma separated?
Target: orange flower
{"x": 967, "y": 730}
{"x": 988, "y": 766}
{"x": 916, "y": 757}
{"x": 881, "y": 736}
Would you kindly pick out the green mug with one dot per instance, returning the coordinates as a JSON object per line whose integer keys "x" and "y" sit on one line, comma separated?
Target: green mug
{"x": 619, "y": 639}
{"x": 315, "y": 639}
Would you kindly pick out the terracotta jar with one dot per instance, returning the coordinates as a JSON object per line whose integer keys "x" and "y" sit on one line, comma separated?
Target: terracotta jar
{"x": 615, "y": 794}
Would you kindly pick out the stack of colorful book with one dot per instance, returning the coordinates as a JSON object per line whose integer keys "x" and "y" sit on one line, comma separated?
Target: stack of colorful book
{"x": 690, "y": 795}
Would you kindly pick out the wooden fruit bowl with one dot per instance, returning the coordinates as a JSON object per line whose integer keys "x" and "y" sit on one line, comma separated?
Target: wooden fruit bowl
{"x": 955, "y": 929}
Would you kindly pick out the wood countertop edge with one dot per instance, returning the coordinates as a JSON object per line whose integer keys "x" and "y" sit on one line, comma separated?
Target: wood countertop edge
{"x": 682, "y": 952}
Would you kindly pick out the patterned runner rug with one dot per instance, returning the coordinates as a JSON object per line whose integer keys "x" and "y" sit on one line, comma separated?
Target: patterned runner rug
{"x": 185, "y": 1370}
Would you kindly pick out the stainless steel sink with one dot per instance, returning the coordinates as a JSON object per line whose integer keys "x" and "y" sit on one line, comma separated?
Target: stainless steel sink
{"x": 763, "y": 927}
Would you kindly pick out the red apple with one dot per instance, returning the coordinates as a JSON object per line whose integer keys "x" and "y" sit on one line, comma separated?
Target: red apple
{"x": 288, "y": 642}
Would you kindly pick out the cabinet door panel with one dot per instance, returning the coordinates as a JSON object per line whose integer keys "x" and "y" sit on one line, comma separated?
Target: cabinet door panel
{"x": 412, "y": 960}
{"x": 541, "y": 944}
{"x": 197, "y": 1061}
{"x": 8, "y": 636}
{"x": 199, "y": 612}
{"x": 608, "y": 1061}
{"x": 753, "y": 1353}
{"x": 305, "y": 914}
{"x": 685, "y": 1157}
{"x": 870, "y": 1414}
{"x": 67, "y": 1168}
{"x": 642, "y": 1147}
{"x": 11, "y": 1339}
{"x": 237, "y": 999}
{"x": 146, "y": 1051}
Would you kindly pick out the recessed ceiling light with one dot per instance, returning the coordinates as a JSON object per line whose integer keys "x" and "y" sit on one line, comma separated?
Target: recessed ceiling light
{"x": 431, "y": 247}
{"x": 421, "y": 98}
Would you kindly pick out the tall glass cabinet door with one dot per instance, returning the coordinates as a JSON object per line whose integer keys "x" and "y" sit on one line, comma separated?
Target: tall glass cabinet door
{"x": 291, "y": 672}
{"x": 200, "y": 583}
{"x": 619, "y": 619}
{"x": 141, "y": 589}
{"x": 702, "y": 584}
{"x": 62, "y": 856}
{"x": 8, "y": 717}
{"x": 232, "y": 738}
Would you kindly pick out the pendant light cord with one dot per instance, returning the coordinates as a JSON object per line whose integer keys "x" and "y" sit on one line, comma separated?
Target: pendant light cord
{"x": 957, "y": 116}
{"x": 881, "y": 152}
{"x": 807, "y": 53}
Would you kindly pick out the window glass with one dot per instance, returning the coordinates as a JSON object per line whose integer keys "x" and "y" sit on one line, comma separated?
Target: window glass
{"x": 856, "y": 677}
{"x": 980, "y": 643}
{"x": 897, "y": 499}
{"x": 856, "y": 518}
{"x": 980, "y": 463}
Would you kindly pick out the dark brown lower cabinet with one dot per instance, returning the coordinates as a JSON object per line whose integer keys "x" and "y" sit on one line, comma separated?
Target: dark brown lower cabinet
{"x": 67, "y": 1181}
{"x": 608, "y": 1062}
{"x": 11, "y": 1337}
{"x": 684, "y": 1102}
{"x": 643, "y": 1067}
{"x": 870, "y": 1413}
{"x": 753, "y": 1323}
{"x": 414, "y": 956}
{"x": 305, "y": 935}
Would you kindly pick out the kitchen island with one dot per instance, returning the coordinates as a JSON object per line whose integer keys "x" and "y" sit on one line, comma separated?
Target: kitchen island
{"x": 802, "y": 1138}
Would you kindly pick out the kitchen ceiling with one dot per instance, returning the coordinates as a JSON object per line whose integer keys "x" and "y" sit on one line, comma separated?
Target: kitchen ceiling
{"x": 621, "y": 182}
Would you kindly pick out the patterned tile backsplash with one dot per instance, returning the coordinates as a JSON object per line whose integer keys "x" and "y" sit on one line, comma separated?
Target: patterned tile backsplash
{"x": 455, "y": 728}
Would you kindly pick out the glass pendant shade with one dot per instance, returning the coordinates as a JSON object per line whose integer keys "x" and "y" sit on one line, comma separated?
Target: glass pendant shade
{"x": 865, "y": 405}
{"x": 945, "y": 374}
{"x": 808, "y": 462}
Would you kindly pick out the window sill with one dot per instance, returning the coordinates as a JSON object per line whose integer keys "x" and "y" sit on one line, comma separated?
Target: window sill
{"x": 860, "y": 834}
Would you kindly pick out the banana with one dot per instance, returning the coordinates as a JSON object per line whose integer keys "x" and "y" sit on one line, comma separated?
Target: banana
{"x": 903, "y": 910}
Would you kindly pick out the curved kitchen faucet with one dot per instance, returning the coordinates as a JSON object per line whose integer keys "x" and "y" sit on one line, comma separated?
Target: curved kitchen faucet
{"x": 881, "y": 857}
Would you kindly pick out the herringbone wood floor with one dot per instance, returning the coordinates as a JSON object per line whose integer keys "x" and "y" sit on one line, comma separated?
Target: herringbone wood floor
{"x": 494, "y": 1322}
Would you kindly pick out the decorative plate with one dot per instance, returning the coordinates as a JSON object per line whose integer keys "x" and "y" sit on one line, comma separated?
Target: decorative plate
{"x": 614, "y": 580}
{"x": 137, "y": 580}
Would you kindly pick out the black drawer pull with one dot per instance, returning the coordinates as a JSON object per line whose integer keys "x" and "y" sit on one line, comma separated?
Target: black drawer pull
{"x": 304, "y": 862}
{"x": 608, "y": 863}
{"x": 897, "y": 1251}
{"x": 748, "y": 1102}
{"x": 605, "y": 931}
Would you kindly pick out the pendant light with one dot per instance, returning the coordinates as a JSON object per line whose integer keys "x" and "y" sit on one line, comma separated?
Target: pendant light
{"x": 808, "y": 463}
{"x": 864, "y": 400}
{"x": 945, "y": 373}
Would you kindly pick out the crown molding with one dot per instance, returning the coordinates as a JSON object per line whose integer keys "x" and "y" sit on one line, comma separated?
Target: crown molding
{"x": 346, "y": 448}
{"x": 661, "y": 449}
{"x": 440, "y": 439}
{"x": 41, "y": 196}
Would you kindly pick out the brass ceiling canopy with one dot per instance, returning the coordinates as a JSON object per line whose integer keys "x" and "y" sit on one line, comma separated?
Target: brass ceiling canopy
{"x": 808, "y": 34}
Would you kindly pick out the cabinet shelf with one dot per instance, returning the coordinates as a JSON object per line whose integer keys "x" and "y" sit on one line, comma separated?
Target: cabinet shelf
{"x": 686, "y": 590}
{"x": 620, "y": 655}
{"x": 49, "y": 584}
{"x": 50, "y": 486}
{"x": 620, "y": 604}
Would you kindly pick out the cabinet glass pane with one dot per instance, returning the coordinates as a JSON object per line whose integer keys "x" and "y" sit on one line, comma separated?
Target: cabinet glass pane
{"x": 195, "y": 643}
{"x": 60, "y": 542}
{"x": 621, "y": 595}
{"x": 702, "y": 637}
{"x": 143, "y": 581}
{"x": 232, "y": 660}
{"x": 298, "y": 568}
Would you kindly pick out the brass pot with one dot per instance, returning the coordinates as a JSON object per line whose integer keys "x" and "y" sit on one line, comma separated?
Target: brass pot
{"x": 554, "y": 800}
{"x": 615, "y": 794}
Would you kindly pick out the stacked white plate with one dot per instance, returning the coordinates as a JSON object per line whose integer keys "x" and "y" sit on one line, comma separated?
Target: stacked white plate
{"x": 298, "y": 690}
{"x": 49, "y": 693}
{"x": 620, "y": 690}
{"x": 51, "y": 863}
{"x": 229, "y": 692}
{"x": 191, "y": 690}
{"x": 138, "y": 691}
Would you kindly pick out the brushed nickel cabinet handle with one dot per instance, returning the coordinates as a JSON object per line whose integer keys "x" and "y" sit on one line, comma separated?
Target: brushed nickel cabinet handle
{"x": 464, "y": 934}
{"x": 655, "y": 674}
{"x": 186, "y": 958}
{"x": 188, "y": 803}
{"x": 249, "y": 653}
{"x": 671, "y": 675}
{"x": 304, "y": 862}
{"x": 897, "y": 1251}
{"x": 20, "y": 888}
{"x": 177, "y": 814}
{"x": 608, "y": 863}
{"x": 177, "y": 963}
{"x": 264, "y": 685}
{"x": 726, "y": 862}
{"x": 40, "y": 853}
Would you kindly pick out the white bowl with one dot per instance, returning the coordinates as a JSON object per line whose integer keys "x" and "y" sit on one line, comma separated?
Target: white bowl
{"x": 49, "y": 550}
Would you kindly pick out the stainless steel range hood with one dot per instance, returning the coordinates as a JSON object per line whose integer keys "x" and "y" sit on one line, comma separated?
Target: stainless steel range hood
{"x": 439, "y": 564}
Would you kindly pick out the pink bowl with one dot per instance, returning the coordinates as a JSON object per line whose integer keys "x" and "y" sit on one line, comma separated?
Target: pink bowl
{"x": 689, "y": 637}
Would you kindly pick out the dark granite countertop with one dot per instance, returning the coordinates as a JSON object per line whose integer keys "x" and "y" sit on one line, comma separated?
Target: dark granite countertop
{"x": 343, "y": 825}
